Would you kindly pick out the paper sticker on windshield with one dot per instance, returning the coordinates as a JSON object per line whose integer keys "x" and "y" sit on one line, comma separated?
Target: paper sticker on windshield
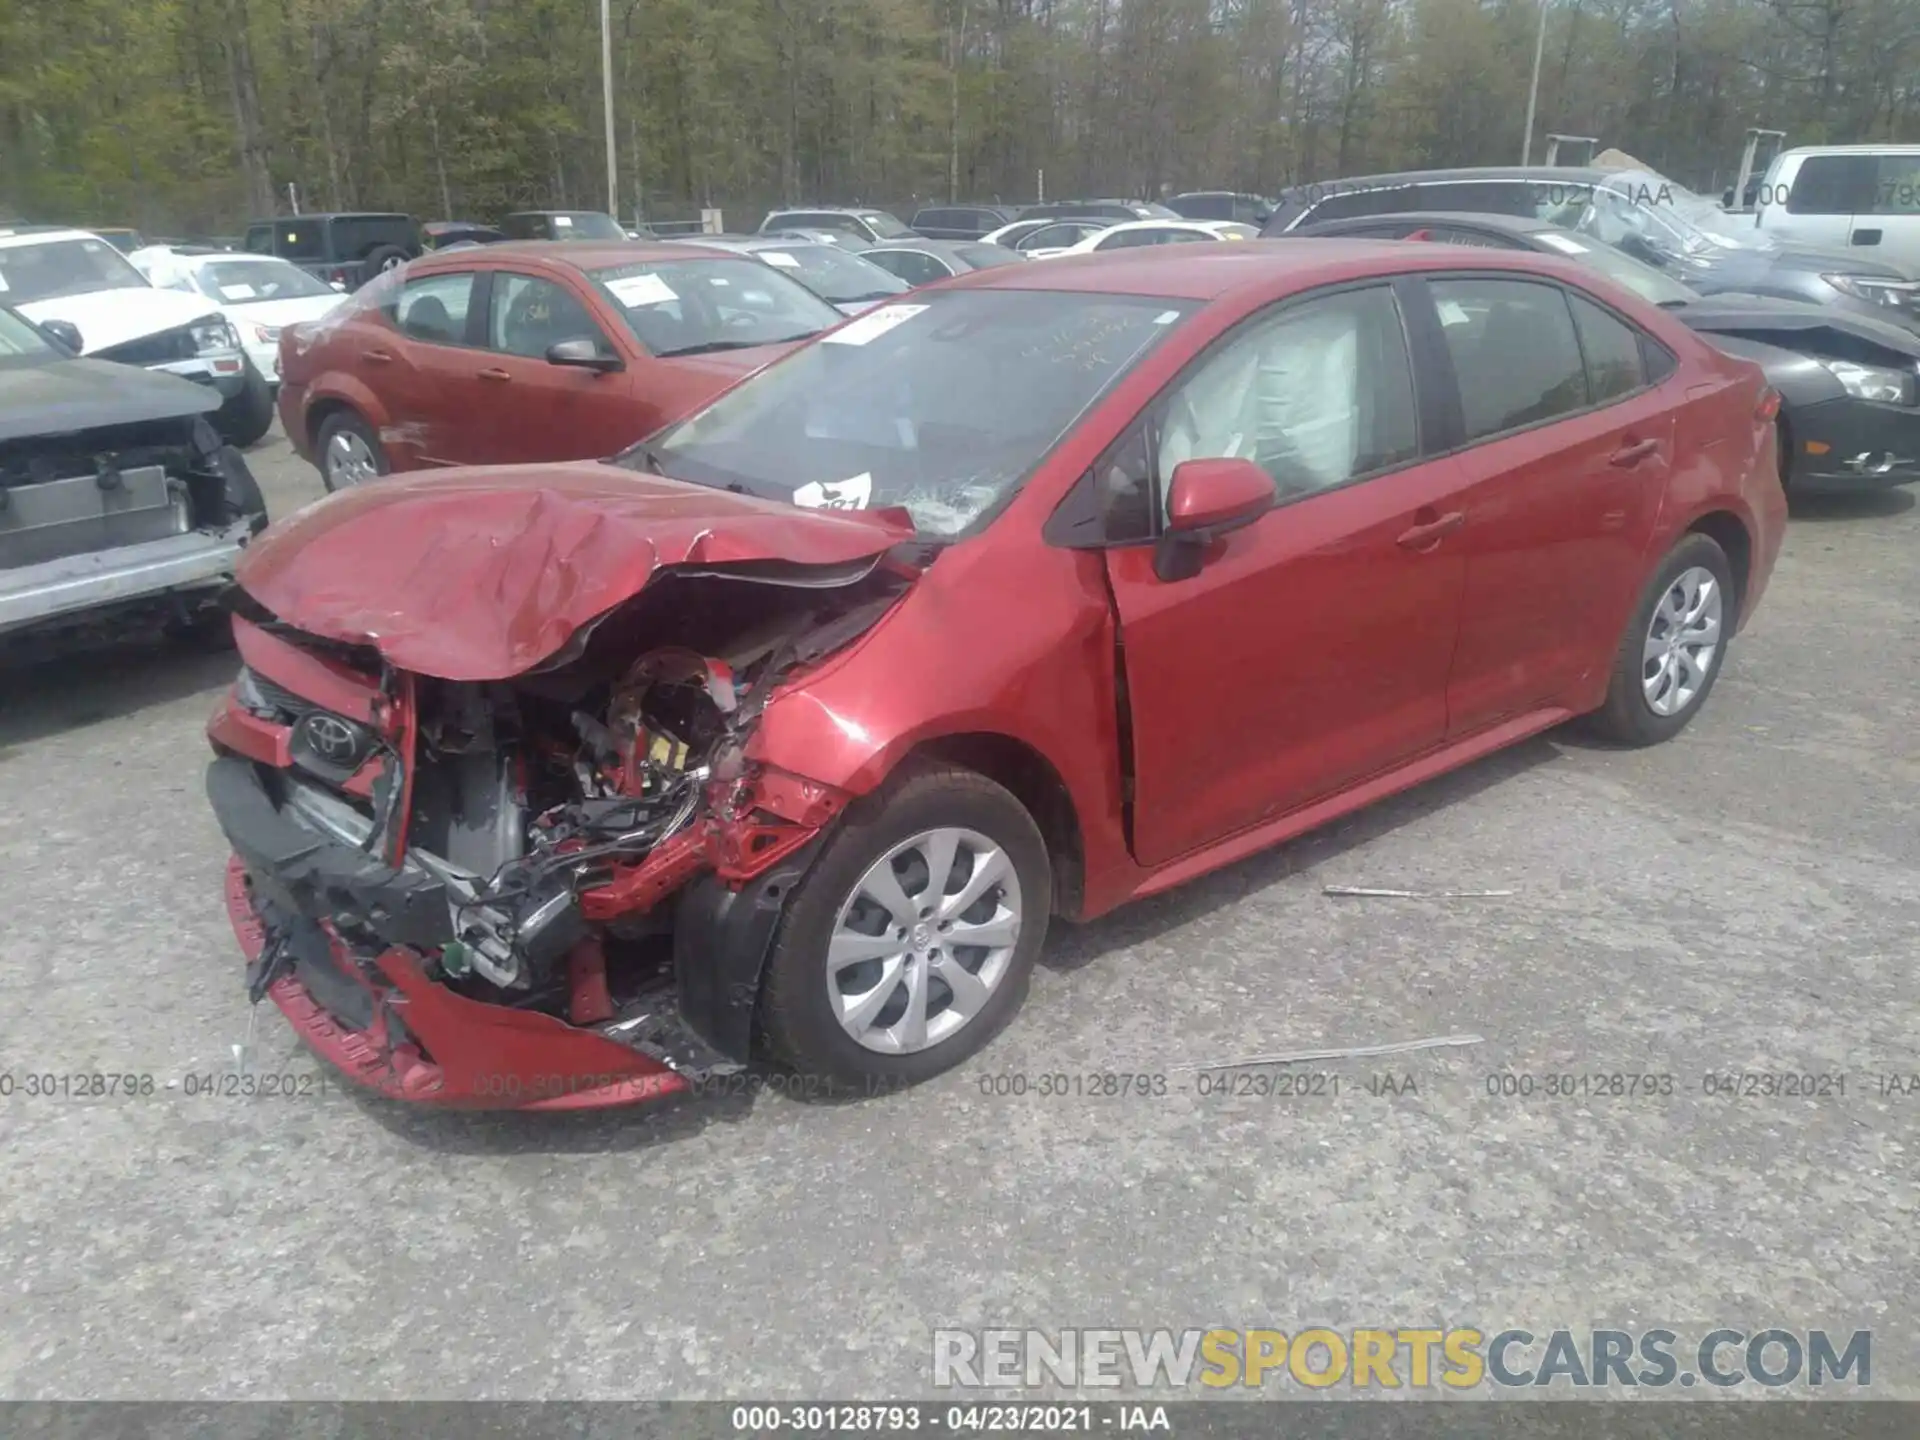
{"x": 631, "y": 290}
{"x": 1451, "y": 313}
{"x": 872, "y": 325}
{"x": 563, "y": 222}
{"x": 837, "y": 494}
{"x": 780, "y": 258}
{"x": 1565, "y": 243}
{"x": 236, "y": 292}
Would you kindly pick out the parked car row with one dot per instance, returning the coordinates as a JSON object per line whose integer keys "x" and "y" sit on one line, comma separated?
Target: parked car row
{"x": 556, "y": 780}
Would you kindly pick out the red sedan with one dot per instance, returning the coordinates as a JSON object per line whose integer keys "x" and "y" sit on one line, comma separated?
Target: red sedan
{"x": 793, "y": 728}
{"x": 523, "y": 352}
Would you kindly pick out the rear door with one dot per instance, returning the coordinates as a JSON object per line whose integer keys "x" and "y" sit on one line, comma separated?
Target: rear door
{"x": 1820, "y": 200}
{"x": 421, "y": 364}
{"x": 531, "y": 409}
{"x": 1312, "y": 648}
{"x": 1565, "y": 451}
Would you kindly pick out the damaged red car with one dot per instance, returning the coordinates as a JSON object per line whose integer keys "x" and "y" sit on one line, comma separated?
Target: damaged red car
{"x": 790, "y": 731}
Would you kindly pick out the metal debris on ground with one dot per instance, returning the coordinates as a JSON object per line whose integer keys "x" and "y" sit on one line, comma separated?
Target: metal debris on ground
{"x": 1379, "y": 891}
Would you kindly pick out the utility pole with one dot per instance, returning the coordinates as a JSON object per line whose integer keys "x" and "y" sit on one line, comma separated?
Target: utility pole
{"x": 606, "y": 95}
{"x": 1533, "y": 90}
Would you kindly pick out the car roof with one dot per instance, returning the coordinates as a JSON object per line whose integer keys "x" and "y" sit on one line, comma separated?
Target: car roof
{"x": 827, "y": 210}
{"x": 332, "y": 215}
{"x": 1883, "y": 148}
{"x": 1574, "y": 174}
{"x": 574, "y": 254}
{"x": 1215, "y": 272}
{"x": 32, "y": 234}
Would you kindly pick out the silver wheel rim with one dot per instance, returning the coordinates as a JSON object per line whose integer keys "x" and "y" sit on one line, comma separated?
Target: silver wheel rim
{"x": 1682, "y": 641}
{"x": 350, "y": 460}
{"x": 914, "y": 960}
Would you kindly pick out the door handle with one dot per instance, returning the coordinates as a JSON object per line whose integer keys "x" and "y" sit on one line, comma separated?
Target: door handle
{"x": 1634, "y": 452}
{"x": 377, "y": 357}
{"x": 493, "y": 372}
{"x": 1428, "y": 532}
{"x": 1865, "y": 237}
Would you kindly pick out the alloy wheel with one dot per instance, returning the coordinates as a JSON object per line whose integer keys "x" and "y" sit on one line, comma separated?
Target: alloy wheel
{"x": 350, "y": 460}
{"x": 923, "y": 941}
{"x": 1682, "y": 641}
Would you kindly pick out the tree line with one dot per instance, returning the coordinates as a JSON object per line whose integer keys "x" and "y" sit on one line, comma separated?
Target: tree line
{"x": 189, "y": 116}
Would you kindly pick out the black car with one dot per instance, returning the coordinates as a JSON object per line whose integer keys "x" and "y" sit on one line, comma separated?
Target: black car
{"x": 445, "y": 234}
{"x": 921, "y": 262}
{"x": 1849, "y": 384}
{"x": 959, "y": 222}
{"x": 345, "y": 250}
{"x": 115, "y": 492}
{"x": 562, "y": 225}
{"x": 1643, "y": 213}
{"x": 1222, "y": 205}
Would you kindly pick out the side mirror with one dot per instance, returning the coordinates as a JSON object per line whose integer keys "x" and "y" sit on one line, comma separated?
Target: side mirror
{"x": 583, "y": 354}
{"x": 1208, "y": 498}
{"x": 66, "y": 333}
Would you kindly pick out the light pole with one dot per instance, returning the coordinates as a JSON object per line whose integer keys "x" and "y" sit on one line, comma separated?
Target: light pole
{"x": 606, "y": 95}
{"x": 1533, "y": 89}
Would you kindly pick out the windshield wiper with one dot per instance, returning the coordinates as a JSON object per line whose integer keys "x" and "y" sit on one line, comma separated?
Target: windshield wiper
{"x": 710, "y": 346}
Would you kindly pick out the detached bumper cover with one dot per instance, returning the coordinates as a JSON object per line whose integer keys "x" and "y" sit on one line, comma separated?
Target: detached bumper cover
{"x": 375, "y": 1013}
{"x": 33, "y": 593}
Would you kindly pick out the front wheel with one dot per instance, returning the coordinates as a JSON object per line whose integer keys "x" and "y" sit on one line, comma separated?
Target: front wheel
{"x": 1673, "y": 647}
{"x": 911, "y": 940}
{"x": 245, "y": 419}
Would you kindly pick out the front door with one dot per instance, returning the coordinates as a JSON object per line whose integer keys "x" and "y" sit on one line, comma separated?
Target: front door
{"x": 1312, "y": 648}
{"x": 535, "y": 410}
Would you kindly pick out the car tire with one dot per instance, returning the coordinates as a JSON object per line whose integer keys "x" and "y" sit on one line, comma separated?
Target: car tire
{"x": 239, "y": 491}
{"x": 1662, "y": 671}
{"x": 811, "y": 1013}
{"x": 344, "y": 450}
{"x": 380, "y": 259}
{"x": 245, "y": 419}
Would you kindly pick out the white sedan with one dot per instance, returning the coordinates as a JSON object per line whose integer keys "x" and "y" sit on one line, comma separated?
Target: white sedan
{"x": 259, "y": 294}
{"x": 1131, "y": 234}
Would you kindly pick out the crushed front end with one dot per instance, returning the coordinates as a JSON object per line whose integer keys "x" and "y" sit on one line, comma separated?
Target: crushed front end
{"x": 551, "y": 891}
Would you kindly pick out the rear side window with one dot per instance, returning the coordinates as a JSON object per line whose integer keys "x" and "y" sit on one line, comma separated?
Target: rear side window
{"x": 1364, "y": 202}
{"x": 1514, "y": 350}
{"x": 1896, "y": 186}
{"x": 259, "y": 240}
{"x": 1832, "y": 185}
{"x": 1612, "y": 351}
{"x": 433, "y": 308}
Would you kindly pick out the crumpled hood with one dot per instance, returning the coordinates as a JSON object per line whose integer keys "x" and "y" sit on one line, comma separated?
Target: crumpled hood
{"x": 1736, "y": 314}
{"x": 481, "y": 574}
{"x": 112, "y": 317}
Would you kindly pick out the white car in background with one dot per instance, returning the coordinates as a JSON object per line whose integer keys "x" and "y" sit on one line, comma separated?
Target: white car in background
{"x": 259, "y": 295}
{"x": 84, "y": 292}
{"x": 1133, "y": 234}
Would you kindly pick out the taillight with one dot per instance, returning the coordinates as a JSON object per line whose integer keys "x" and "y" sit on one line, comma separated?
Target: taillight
{"x": 1769, "y": 406}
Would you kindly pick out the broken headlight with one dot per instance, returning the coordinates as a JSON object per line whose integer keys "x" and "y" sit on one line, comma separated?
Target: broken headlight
{"x": 213, "y": 336}
{"x": 1871, "y": 382}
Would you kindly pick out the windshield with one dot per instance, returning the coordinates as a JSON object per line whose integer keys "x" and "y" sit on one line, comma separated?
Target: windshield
{"x": 943, "y": 406}
{"x": 836, "y": 275}
{"x": 1645, "y": 281}
{"x": 695, "y": 307}
{"x": 563, "y": 225}
{"x": 20, "y": 340}
{"x": 246, "y": 282}
{"x": 51, "y": 268}
{"x": 887, "y": 227}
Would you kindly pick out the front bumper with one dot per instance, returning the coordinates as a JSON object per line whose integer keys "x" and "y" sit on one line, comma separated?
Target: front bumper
{"x": 225, "y": 372}
{"x": 199, "y": 559}
{"x": 371, "y": 1009}
{"x": 1847, "y": 444}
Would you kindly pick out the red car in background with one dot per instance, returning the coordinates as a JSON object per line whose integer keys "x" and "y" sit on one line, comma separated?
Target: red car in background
{"x": 1055, "y": 586}
{"x": 535, "y": 351}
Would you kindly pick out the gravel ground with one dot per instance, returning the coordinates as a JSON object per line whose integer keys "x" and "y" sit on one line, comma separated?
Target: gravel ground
{"x": 1744, "y": 899}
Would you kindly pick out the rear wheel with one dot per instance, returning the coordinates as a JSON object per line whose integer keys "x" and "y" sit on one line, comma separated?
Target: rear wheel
{"x": 1673, "y": 647}
{"x": 381, "y": 259}
{"x": 349, "y": 452}
{"x": 911, "y": 940}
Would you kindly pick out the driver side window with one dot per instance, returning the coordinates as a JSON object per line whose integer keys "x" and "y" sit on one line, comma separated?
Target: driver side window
{"x": 528, "y": 316}
{"x": 1316, "y": 394}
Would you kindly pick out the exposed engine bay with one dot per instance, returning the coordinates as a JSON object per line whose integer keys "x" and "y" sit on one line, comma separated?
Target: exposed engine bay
{"x": 523, "y": 835}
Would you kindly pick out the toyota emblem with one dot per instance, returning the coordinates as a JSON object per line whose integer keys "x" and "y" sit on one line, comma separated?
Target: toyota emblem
{"x": 331, "y": 739}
